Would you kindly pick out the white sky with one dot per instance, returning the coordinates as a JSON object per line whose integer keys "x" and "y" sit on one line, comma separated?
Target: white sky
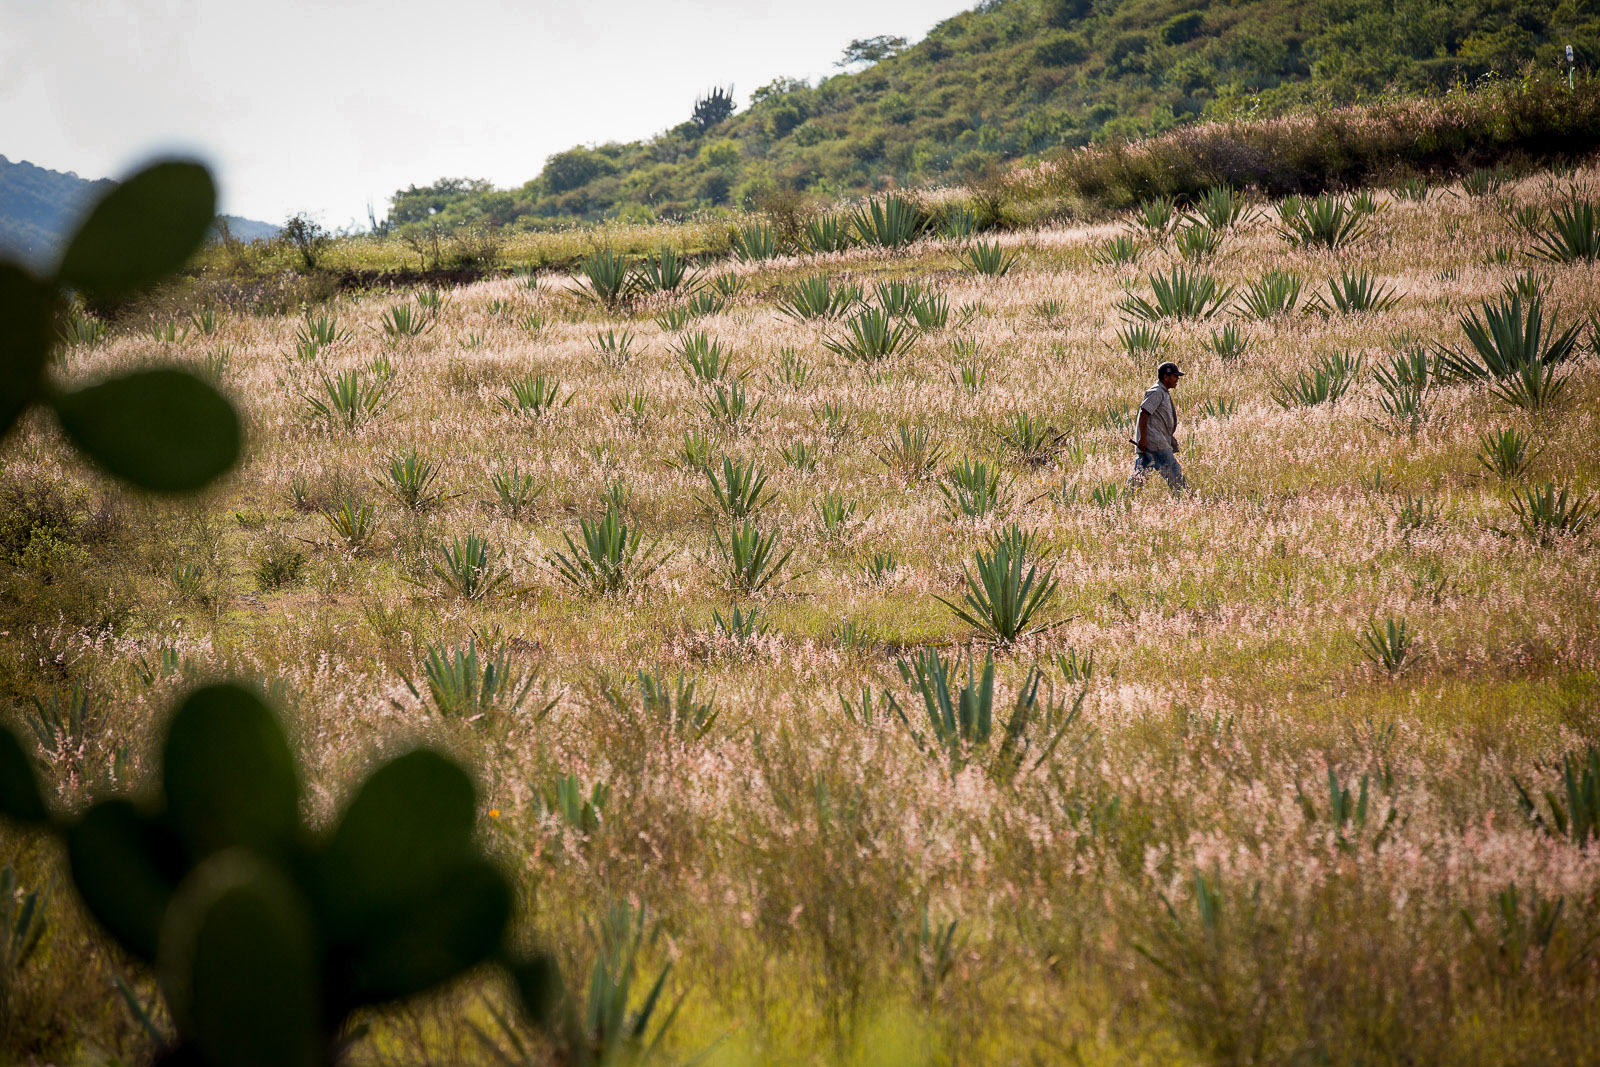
{"x": 325, "y": 106}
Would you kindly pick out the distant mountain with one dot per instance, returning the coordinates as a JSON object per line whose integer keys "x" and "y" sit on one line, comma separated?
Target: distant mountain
{"x": 39, "y": 207}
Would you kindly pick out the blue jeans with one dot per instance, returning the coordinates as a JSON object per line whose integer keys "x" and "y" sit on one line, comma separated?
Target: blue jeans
{"x": 1161, "y": 460}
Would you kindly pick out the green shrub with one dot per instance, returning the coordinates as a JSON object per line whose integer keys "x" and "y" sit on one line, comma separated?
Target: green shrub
{"x": 279, "y": 563}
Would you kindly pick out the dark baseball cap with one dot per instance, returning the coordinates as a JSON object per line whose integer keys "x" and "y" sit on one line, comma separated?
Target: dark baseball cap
{"x": 1168, "y": 368}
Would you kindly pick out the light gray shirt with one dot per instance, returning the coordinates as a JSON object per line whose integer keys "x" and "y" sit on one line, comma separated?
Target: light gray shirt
{"x": 1161, "y": 427}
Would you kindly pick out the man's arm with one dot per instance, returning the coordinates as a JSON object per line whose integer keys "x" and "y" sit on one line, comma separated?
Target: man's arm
{"x": 1138, "y": 436}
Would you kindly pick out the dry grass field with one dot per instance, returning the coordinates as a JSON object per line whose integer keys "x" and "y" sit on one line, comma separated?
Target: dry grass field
{"x": 1237, "y": 818}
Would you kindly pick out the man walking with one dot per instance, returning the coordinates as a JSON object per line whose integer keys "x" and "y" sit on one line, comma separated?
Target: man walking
{"x": 1156, "y": 435}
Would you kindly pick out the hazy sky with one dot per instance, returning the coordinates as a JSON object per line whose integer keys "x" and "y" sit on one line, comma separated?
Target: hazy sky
{"x": 326, "y": 106}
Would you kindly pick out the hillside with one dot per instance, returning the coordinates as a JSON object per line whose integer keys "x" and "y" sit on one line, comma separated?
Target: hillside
{"x": 39, "y": 206}
{"x": 1024, "y": 78}
{"x": 701, "y": 582}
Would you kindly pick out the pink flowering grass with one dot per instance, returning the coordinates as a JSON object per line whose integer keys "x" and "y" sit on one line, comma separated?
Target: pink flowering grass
{"x": 1172, "y": 885}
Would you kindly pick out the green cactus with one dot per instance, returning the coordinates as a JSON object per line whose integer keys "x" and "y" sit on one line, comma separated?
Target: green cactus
{"x": 263, "y": 935}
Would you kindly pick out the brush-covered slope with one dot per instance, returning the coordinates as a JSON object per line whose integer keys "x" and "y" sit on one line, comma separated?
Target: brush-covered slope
{"x": 1021, "y": 78}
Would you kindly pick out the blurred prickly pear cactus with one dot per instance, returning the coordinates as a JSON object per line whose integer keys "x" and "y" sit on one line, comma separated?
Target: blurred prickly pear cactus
{"x": 265, "y": 937}
{"x": 159, "y": 428}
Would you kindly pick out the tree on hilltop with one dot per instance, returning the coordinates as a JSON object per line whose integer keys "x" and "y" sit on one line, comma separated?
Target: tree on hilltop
{"x": 871, "y": 50}
{"x": 714, "y": 108}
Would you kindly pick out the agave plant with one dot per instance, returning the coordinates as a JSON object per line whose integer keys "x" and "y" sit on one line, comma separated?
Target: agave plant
{"x": 694, "y": 453}
{"x": 750, "y": 558}
{"x": 1276, "y": 293}
{"x": 873, "y": 335}
{"x": 675, "y": 707}
{"x": 470, "y": 568}
{"x": 1413, "y": 189}
{"x": 515, "y": 489}
{"x": 987, "y": 258}
{"x": 1573, "y": 234}
{"x": 534, "y": 396}
{"x": 605, "y": 277}
{"x": 402, "y": 322}
{"x": 1325, "y": 221}
{"x": 1504, "y": 453}
{"x": 932, "y": 312}
{"x": 410, "y": 478}
{"x": 1116, "y": 251}
{"x": 971, "y": 490}
{"x": 1228, "y": 343}
{"x": 1223, "y": 207}
{"x": 961, "y": 721}
{"x": 828, "y": 232}
{"x": 611, "y": 558}
{"x": 793, "y": 371}
{"x": 1141, "y": 340}
{"x": 1179, "y": 294}
{"x": 1482, "y": 182}
{"x": 834, "y": 514}
{"x": 1353, "y": 292}
{"x": 728, "y": 403}
{"x": 1574, "y": 813}
{"x": 665, "y": 272}
{"x": 813, "y": 297}
{"x": 1511, "y": 334}
{"x": 738, "y": 491}
{"x": 470, "y": 684}
{"x": 353, "y": 397}
{"x": 897, "y": 295}
{"x": 911, "y": 453}
{"x": 706, "y": 302}
{"x": 1008, "y": 591}
{"x": 802, "y": 456}
{"x": 1324, "y": 383}
{"x": 703, "y": 359}
{"x": 1156, "y": 216}
{"x": 613, "y": 348}
{"x": 1532, "y": 387}
{"x": 740, "y": 626}
{"x": 1390, "y": 646}
{"x": 893, "y": 222}
{"x": 959, "y": 223}
{"x": 1547, "y": 512}
{"x": 354, "y": 522}
{"x": 754, "y": 241}
{"x": 1198, "y": 241}
{"x": 1405, "y": 382}
{"x": 1033, "y": 440}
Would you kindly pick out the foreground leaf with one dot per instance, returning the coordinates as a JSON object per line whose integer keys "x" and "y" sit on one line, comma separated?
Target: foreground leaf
{"x": 162, "y": 429}
{"x": 143, "y": 229}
